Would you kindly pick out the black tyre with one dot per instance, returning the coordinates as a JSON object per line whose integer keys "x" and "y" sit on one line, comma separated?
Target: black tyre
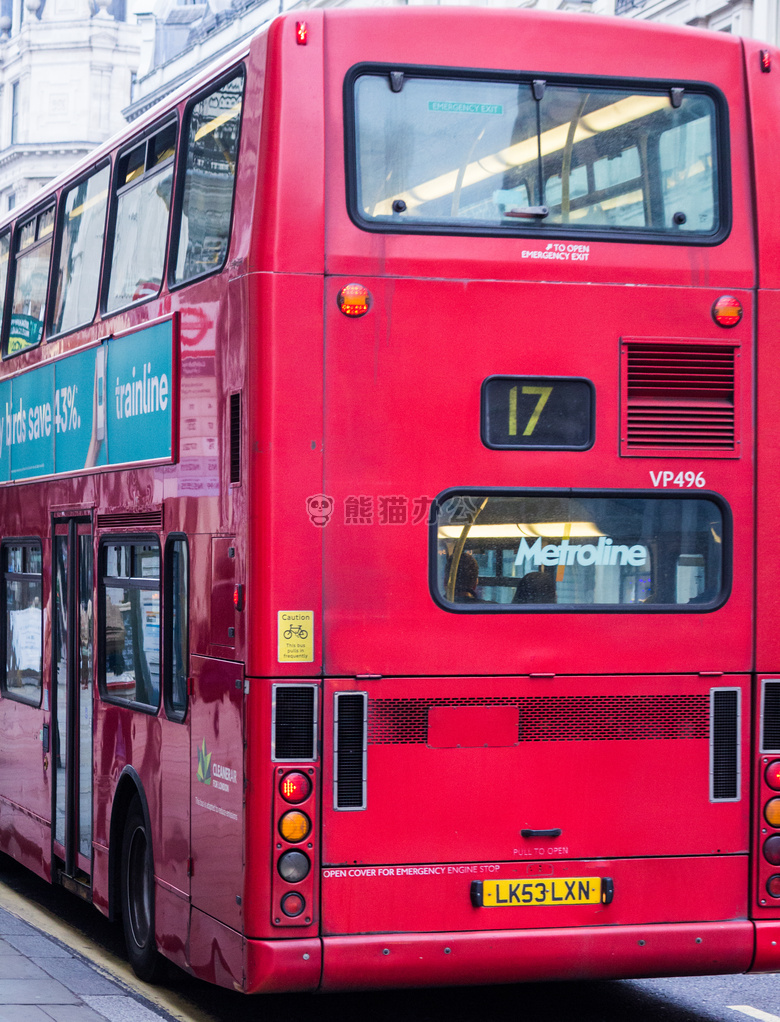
{"x": 138, "y": 896}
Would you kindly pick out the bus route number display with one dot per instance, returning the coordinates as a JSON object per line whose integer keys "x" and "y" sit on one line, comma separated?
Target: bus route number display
{"x": 538, "y": 413}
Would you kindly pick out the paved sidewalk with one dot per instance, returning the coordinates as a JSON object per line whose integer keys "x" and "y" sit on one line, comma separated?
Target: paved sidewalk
{"x": 41, "y": 980}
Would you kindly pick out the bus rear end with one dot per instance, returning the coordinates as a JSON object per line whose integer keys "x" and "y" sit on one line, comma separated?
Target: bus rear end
{"x": 535, "y": 509}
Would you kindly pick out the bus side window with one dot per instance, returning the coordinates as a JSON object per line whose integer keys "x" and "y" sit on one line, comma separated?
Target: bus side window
{"x": 130, "y": 621}
{"x": 144, "y": 183}
{"x": 5, "y": 253}
{"x": 213, "y": 131}
{"x": 31, "y": 281}
{"x": 23, "y": 632}
{"x": 80, "y": 252}
{"x": 176, "y": 624}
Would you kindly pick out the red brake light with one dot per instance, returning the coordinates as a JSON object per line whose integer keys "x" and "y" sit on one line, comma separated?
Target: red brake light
{"x": 766, "y": 60}
{"x": 772, "y": 774}
{"x": 295, "y": 787}
{"x": 301, "y": 32}
{"x": 354, "y": 300}
{"x": 238, "y": 597}
{"x": 727, "y": 310}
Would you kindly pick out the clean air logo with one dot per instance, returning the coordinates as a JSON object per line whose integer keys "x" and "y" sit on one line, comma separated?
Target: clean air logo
{"x": 603, "y": 552}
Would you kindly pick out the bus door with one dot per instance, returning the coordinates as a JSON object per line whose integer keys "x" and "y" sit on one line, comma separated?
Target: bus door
{"x": 73, "y": 652}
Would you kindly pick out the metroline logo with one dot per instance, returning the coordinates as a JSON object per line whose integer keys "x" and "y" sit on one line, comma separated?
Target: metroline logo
{"x": 603, "y": 552}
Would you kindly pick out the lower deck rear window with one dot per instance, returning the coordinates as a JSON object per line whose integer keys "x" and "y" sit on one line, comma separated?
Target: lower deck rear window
{"x": 568, "y": 550}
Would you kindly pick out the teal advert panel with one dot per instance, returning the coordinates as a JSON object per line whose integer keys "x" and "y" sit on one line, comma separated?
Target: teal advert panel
{"x": 30, "y": 424}
{"x": 80, "y": 411}
{"x": 5, "y": 431}
{"x": 139, "y": 406}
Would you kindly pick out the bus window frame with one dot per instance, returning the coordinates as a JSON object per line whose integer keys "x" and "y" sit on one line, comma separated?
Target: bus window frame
{"x": 50, "y": 202}
{"x": 125, "y": 539}
{"x": 5, "y": 692}
{"x": 181, "y": 178}
{"x": 57, "y": 249}
{"x": 551, "y": 232}
{"x": 179, "y": 716}
{"x": 170, "y": 117}
{"x": 580, "y": 608}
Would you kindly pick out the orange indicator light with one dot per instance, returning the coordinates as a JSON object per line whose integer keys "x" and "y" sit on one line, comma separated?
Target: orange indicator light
{"x": 354, "y": 300}
{"x": 295, "y": 787}
{"x": 301, "y": 33}
{"x": 294, "y": 826}
{"x": 727, "y": 311}
{"x": 772, "y": 812}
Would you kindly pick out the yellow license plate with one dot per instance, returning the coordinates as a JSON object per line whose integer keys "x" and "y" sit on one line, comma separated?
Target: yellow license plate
{"x": 550, "y": 891}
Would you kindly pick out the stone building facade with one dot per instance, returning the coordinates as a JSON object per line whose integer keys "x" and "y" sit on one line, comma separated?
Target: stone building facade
{"x": 67, "y": 68}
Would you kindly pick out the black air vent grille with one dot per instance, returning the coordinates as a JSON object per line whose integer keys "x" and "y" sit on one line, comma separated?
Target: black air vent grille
{"x": 295, "y": 722}
{"x": 136, "y": 520}
{"x": 349, "y": 774}
{"x": 770, "y": 720}
{"x": 724, "y": 745}
{"x": 235, "y": 438}
{"x": 556, "y": 718}
{"x": 679, "y": 397}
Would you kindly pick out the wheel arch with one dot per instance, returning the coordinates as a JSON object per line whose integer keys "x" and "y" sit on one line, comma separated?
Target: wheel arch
{"x": 128, "y": 787}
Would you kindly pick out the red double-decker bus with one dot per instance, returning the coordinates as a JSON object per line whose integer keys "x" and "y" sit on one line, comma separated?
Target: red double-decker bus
{"x": 386, "y": 471}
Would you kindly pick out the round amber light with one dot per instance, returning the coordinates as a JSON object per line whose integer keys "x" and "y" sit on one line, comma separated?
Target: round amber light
{"x": 354, "y": 300}
{"x": 295, "y": 825}
{"x": 772, "y": 774}
{"x": 727, "y": 310}
{"x": 295, "y": 787}
{"x": 772, "y": 812}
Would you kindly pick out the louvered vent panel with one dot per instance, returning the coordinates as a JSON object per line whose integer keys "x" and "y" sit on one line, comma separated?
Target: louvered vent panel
{"x": 724, "y": 745}
{"x": 131, "y": 520}
{"x": 679, "y": 397}
{"x": 235, "y": 438}
{"x": 349, "y": 774}
{"x": 770, "y": 721}
{"x": 557, "y": 718}
{"x": 295, "y": 722}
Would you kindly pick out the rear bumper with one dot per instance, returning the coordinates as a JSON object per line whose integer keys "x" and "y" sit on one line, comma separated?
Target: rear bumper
{"x": 607, "y": 952}
{"x": 499, "y": 956}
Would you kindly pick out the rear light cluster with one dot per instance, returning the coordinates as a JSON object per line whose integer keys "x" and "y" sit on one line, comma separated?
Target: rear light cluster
{"x": 295, "y": 804}
{"x": 770, "y": 832}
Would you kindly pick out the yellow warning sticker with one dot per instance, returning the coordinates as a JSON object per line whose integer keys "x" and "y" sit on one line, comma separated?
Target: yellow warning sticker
{"x": 295, "y": 636}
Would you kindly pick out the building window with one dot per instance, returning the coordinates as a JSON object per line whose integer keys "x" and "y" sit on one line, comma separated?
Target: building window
{"x": 15, "y": 100}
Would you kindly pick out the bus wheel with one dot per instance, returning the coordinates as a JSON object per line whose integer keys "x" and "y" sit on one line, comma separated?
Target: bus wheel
{"x": 138, "y": 896}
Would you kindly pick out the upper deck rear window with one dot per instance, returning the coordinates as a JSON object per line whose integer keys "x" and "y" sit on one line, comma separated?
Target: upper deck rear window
{"x": 447, "y": 153}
